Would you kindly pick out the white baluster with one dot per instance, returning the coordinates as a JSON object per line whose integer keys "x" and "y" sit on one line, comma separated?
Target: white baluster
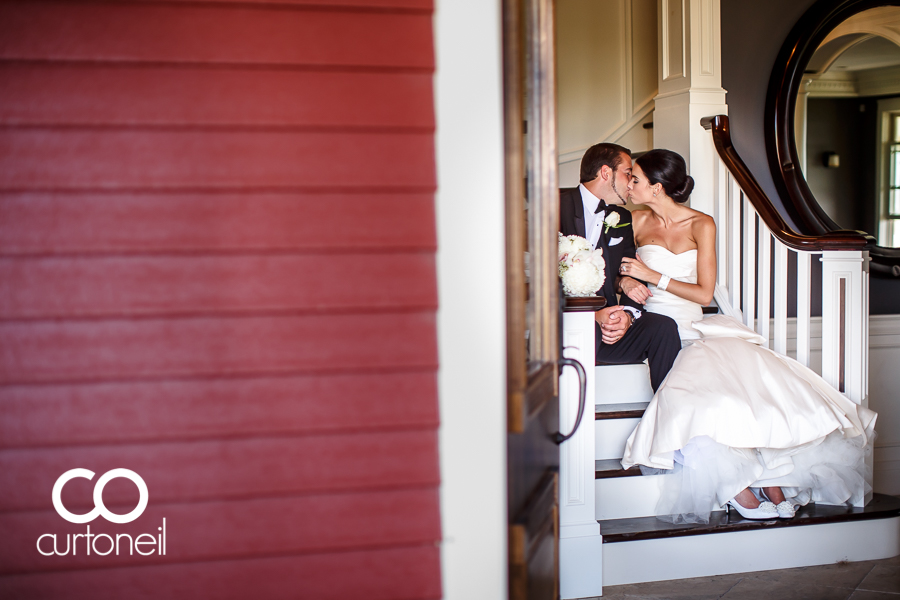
{"x": 781, "y": 282}
{"x": 721, "y": 200}
{"x": 749, "y": 261}
{"x": 803, "y": 315}
{"x": 733, "y": 234}
{"x": 764, "y": 284}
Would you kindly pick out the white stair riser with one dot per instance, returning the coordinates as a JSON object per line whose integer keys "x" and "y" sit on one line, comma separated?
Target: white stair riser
{"x": 744, "y": 551}
{"x": 616, "y": 384}
{"x": 610, "y": 436}
{"x": 626, "y": 497}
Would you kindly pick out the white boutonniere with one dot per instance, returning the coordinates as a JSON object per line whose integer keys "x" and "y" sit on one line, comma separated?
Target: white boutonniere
{"x": 612, "y": 222}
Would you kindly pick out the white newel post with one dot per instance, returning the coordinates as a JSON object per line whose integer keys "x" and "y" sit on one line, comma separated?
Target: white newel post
{"x": 580, "y": 544}
{"x": 845, "y": 326}
{"x": 845, "y": 318}
{"x": 690, "y": 88}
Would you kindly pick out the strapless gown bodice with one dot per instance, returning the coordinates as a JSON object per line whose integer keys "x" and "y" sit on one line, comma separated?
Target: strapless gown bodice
{"x": 732, "y": 414}
{"x": 682, "y": 267}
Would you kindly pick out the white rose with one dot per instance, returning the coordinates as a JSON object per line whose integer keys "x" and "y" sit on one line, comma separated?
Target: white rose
{"x": 612, "y": 219}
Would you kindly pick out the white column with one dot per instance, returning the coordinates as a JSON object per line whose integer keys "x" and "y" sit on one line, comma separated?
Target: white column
{"x": 580, "y": 544}
{"x": 690, "y": 88}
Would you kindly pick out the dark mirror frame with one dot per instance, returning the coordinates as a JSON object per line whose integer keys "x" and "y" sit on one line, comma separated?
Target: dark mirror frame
{"x": 781, "y": 100}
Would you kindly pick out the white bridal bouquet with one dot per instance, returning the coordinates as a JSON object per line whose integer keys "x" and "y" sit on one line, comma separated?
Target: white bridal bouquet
{"x": 581, "y": 269}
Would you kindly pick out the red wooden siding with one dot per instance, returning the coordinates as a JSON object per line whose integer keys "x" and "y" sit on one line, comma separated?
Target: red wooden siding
{"x": 128, "y": 223}
{"x": 217, "y": 270}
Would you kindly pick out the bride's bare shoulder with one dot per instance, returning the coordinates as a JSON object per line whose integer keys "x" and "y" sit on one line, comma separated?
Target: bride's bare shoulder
{"x": 703, "y": 228}
{"x": 638, "y": 215}
{"x": 701, "y": 221}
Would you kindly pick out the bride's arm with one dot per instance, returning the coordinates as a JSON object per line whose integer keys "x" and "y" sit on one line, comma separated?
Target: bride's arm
{"x": 704, "y": 231}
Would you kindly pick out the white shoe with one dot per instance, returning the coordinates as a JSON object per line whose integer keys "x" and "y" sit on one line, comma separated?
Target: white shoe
{"x": 765, "y": 511}
{"x": 785, "y": 510}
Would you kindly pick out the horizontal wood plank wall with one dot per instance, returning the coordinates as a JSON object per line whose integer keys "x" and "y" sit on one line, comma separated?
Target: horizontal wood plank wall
{"x": 217, "y": 250}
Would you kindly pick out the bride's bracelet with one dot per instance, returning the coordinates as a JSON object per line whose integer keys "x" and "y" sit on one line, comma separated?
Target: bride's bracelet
{"x": 663, "y": 282}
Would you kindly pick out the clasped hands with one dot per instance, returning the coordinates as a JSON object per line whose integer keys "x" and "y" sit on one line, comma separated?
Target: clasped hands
{"x": 614, "y": 322}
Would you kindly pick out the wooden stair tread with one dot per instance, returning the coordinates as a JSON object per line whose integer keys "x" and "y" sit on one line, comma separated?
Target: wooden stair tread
{"x": 648, "y": 528}
{"x": 612, "y": 467}
{"x": 624, "y": 410}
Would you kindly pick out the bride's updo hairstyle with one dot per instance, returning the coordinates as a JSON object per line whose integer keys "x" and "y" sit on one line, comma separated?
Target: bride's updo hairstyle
{"x": 668, "y": 168}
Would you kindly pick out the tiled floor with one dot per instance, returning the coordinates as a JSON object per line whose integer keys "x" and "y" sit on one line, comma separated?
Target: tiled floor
{"x": 870, "y": 580}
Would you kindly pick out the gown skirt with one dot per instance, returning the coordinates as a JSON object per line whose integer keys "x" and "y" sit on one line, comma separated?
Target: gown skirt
{"x": 732, "y": 414}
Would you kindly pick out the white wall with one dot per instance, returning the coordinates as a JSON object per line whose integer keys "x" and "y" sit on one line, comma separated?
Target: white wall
{"x": 606, "y": 78}
{"x": 471, "y": 292}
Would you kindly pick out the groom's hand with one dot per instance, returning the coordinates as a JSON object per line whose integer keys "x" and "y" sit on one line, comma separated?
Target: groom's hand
{"x": 614, "y": 322}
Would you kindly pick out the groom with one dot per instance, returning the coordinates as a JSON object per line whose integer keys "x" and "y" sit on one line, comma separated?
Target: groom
{"x": 593, "y": 210}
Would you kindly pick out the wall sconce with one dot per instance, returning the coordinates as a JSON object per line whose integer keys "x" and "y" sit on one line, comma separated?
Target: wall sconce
{"x": 831, "y": 160}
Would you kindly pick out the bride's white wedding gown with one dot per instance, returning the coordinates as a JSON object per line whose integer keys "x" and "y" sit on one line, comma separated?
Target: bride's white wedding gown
{"x": 732, "y": 414}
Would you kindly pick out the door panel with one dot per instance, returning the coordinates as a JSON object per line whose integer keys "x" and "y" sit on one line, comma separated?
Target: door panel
{"x": 532, "y": 207}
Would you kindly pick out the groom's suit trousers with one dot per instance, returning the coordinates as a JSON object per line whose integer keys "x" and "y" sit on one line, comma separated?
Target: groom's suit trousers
{"x": 651, "y": 336}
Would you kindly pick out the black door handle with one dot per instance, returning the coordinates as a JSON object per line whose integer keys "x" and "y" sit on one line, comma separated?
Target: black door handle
{"x": 559, "y": 438}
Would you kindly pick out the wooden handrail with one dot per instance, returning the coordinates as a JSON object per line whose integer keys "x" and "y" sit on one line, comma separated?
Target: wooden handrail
{"x": 834, "y": 240}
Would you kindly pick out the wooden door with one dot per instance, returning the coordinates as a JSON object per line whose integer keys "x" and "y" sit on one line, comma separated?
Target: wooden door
{"x": 532, "y": 204}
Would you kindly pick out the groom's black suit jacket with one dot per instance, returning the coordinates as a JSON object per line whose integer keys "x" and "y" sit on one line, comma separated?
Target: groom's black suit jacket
{"x": 572, "y": 222}
{"x": 652, "y": 336}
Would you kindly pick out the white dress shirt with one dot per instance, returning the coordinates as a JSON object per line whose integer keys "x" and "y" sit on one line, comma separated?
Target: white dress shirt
{"x": 593, "y": 223}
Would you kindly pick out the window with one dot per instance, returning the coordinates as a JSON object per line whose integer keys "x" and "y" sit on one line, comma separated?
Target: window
{"x": 893, "y": 212}
{"x": 887, "y": 210}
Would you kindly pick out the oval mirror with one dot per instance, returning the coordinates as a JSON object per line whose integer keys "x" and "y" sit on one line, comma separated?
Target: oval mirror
{"x": 833, "y": 123}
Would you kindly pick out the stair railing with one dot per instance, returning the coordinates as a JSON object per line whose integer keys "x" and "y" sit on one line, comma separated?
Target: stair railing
{"x": 754, "y": 247}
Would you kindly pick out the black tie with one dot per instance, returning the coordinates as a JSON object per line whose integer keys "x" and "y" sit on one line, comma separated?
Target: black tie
{"x": 601, "y": 206}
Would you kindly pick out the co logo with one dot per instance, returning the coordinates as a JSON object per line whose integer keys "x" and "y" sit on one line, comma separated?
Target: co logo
{"x": 99, "y": 508}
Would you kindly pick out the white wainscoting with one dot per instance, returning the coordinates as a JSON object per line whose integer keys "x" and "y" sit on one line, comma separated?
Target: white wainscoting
{"x": 884, "y": 398}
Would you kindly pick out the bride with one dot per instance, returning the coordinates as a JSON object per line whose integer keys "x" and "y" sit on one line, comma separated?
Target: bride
{"x": 733, "y": 422}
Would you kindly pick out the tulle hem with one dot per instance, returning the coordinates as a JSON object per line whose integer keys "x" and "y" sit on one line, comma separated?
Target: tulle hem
{"x": 706, "y": 474}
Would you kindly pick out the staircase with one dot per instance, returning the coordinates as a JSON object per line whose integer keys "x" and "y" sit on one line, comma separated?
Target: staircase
{"x": 637, "y": 547}
{"x": 621, "y": 494}
{"x": 609, "y": 533}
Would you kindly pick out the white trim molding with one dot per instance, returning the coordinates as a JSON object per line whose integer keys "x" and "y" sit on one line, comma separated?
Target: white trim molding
{"x": 471, "y": 317}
